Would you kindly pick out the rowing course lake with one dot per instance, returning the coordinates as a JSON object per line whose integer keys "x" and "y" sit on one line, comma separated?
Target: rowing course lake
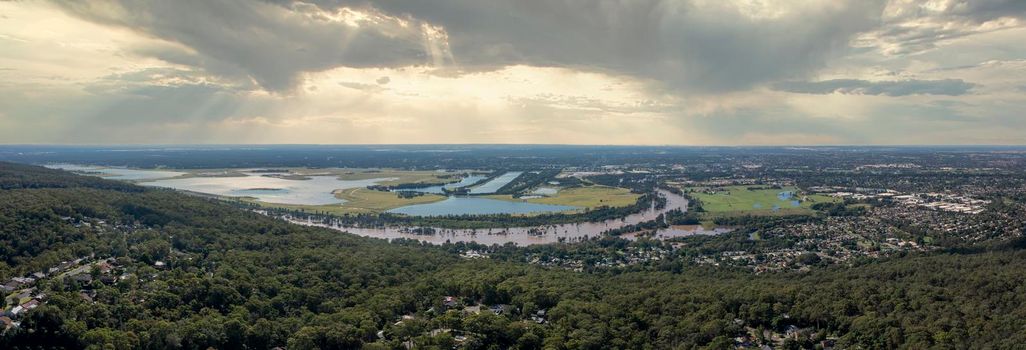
{"x": 496, "y": 183}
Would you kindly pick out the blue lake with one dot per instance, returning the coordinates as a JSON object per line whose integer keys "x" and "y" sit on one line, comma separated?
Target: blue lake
{"x": 477, "y": 206}
{"x": 496, "y": 183}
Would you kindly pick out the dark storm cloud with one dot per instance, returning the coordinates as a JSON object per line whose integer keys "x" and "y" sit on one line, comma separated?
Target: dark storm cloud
{"x": 917, "y": 26}
{"x": 273, "y": 45}
{"x": 948, "y": 87}
{"x": 709, "y": 48}
{"x": 687, "y": 45}
{"x": 985, "y": 10}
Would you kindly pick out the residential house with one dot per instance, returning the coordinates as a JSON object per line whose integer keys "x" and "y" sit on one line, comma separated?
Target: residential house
{"x": 499, "y": 309}
{"x": 83, "y": 278}
{"x": 104, "y": 267}
{"x": 538, "y": 317}
{"x": 31, "y": 304}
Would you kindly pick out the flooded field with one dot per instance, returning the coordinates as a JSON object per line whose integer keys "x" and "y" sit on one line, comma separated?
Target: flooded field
{"x": 117, "y": 173}
{"x": 317, "y": 190}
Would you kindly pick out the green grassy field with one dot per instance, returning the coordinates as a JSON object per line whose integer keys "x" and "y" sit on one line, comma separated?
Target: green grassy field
{"x": 364, "y": 200}
{"x": 739, "y": 200}
{"x": 583, "y": 197}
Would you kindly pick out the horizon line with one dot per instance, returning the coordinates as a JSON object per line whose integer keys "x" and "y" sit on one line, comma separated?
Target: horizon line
{"x": 3, "y": 145}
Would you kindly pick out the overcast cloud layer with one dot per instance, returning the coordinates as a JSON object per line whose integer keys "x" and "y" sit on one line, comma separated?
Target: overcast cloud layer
{"x": 516, "y": 71}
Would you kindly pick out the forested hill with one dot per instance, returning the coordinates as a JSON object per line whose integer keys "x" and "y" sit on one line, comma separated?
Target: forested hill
{"x": 14, "y": 176}
{"x": 162, "y": 270}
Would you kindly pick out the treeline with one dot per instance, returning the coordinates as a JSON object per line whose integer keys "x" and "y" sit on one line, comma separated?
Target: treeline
{"x": 762, "y": 221}
{"x": 409, "y": 194}
{"x": 637, "y": 183}
{"x": 654, "y": 224}
{"x": 694, "y": 204}
{"x": 679, "y": 217}
{"x": 839, "y": 209}
{"x": 447, "y": 179}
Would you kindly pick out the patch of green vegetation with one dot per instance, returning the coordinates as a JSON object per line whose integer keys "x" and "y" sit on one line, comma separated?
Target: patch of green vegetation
{"x": 583, "y": 197}
{"x": 366, "y": 200}
{"x": 754, "y": 200}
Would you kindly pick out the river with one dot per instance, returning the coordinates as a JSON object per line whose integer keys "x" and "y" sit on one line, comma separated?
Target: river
{"x": 535, "y": 234}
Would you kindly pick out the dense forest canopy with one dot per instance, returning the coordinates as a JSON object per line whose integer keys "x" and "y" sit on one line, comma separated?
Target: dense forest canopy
{"x": 167, "y": 270}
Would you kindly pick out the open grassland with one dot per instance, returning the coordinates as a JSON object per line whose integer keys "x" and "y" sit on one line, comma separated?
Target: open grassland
{"x": 740, "y": 200}
{"x": 365, "y": 200}
{"x": 583, "y": 197}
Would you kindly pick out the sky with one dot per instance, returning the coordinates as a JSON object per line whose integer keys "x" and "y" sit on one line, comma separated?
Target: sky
{"x": 647, "y": 72}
